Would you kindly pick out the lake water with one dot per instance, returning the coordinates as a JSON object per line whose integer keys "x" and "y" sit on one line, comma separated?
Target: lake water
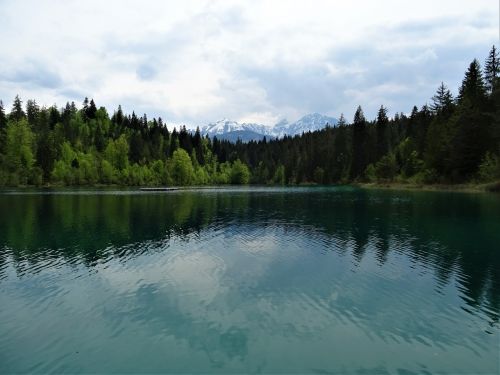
{"x": 269, "y": 280}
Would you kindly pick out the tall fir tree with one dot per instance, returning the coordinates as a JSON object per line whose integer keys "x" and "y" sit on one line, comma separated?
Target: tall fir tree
{"x": 3, "y": 118}
{"x": 359, "y": 157}
{"x": 473, "y": 89}
{"x": 492, "y": 69}
{"x": 17, "y": 112}
{"x": 442, "y": 101}
{"x": 32, "y": 111}
{"x": 382, "y": 135}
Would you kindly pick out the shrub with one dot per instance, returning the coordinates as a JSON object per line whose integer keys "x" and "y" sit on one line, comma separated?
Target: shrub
{"x": 386, "y": 167}
{"x": 489, "y": 169}
{"x": 240, "y": 175}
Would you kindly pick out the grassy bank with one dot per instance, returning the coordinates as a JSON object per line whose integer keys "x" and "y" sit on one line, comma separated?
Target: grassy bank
{"x": 493, "y": 187}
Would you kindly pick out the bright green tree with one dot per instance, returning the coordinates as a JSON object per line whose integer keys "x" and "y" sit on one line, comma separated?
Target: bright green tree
{"x": 181, "y": 168}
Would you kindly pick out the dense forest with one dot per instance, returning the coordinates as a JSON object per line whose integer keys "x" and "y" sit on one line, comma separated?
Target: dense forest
{"x": 452, "y": 140}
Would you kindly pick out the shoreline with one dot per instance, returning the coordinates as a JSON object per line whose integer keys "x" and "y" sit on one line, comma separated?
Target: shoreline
{"x": 491, "y": 187}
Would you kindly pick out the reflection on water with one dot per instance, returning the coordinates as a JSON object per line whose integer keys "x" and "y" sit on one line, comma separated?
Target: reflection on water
{"x": 249, "y": 280}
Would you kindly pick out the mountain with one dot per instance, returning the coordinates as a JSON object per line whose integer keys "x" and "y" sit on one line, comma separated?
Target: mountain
{"x": 226, "y": 126}
{"x": 232, "y": 130}
{"x": 310, "y": 122}
{"x": 242, "y": 135}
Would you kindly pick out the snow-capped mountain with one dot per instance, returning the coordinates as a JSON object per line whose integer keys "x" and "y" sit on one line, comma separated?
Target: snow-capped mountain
{"x": 232, "y": 130}
{"x": 226, "y": 126}
{"x": 310, "y": 122}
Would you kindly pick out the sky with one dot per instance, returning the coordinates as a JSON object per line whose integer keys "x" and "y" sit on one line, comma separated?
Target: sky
{"x": 195, "y": 61}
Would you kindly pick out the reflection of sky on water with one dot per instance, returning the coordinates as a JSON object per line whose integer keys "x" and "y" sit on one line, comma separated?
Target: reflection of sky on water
{"x": 256, "y": 282}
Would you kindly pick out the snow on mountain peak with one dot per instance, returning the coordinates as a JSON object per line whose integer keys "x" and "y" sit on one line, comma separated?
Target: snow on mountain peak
{"x": 310, "y": 122}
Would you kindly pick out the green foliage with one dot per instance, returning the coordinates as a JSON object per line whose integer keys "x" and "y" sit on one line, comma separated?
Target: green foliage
{"x": 489, "y": 169}
{"x": 359, "y": 139}
{"x": 117, "y": 153}
{"x": 279, "y": 175}
{"x": 108, "y": 174}
{"x": 240, "y": 175}
{"x": 407, "y": 158}
{"x": 370, "y": 173}
{"x": 386, "y": 168}
{"x": 450, "y": 141}
{"x": 319, "y": 175}
{"x": 19, "y": 156}
{"x": 427, "y": 176}
{"x": 181, "y": 168}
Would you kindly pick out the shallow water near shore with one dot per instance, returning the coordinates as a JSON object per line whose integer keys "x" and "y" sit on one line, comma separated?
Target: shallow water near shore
{"x": 253, "y": 279}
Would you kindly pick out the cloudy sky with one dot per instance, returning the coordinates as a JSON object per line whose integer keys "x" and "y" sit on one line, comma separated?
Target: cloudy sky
{"x": 198, "y": 61}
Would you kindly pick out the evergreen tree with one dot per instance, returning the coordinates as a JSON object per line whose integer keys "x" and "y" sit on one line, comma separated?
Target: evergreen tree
{"x": 32, "y": 111}
{"x": 492, "y": 69}
{"x": 382, "y": 136}
{"x": 442, "y": 101}
{"x": 359, "y": 157}
{"x": 99, "y": 139}
{"x": 3, "y": 132}
{"x": 17, "y": 112}
{"x": 472, "y": 88}
{"x": 46, "y": 149}
{"x": 340, "y": 162}
{"x": 85, "y": 108}
{"x": 3, "y": 118}
{"x": 91, "y": 110}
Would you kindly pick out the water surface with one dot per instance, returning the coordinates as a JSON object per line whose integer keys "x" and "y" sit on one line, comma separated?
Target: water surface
{"x": 271, "y": 280}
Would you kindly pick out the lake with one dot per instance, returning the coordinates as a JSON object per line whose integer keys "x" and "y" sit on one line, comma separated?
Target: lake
{"x": 249, "y": 280}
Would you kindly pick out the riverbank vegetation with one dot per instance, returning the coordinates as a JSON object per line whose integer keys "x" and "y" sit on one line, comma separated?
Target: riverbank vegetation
{"x": 453, "y": 140}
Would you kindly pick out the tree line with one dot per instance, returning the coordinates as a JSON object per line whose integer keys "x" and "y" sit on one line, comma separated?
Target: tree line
{"x": 452, "y": 140}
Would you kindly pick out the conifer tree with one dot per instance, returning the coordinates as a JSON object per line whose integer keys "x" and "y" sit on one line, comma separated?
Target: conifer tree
{"x": 17, "y": 112}
{"x": 32, "y": 111}
{"x": 442, "y": 101}
{"x": 492, "y": 69}
{"x": 3, "y": 118}
{"x": 91, "y": 110}
{"x": 473, "y": 89}
{"x": 359, "y": 157}
{"x": 382, "y": 136}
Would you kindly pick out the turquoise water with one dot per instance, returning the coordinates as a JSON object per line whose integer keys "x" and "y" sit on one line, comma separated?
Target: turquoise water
{"x": 259, "y": 280}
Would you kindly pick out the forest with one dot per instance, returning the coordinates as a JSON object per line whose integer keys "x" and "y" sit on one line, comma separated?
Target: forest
{"x": 454, "y": 139}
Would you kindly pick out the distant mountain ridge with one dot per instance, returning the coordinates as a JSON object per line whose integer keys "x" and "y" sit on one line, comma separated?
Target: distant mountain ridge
{"x": 232, "y": 130}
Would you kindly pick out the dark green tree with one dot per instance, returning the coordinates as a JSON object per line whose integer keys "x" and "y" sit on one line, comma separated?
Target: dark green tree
{"x": 492, "y": 69}
{"x": 382, "y": 135}
{"x": 99, "y": 139}
{"x": 473, "y": 89}
{"x": 442, "y": 101}
{"x": 32, "y": 111}
{"x": 17, "y": 112}
{"x": 3, "y": 118}
{"x": 359, "y": 157}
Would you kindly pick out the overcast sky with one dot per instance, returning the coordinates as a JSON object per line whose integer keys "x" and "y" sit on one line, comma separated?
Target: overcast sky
{"x": 257, "y": 61}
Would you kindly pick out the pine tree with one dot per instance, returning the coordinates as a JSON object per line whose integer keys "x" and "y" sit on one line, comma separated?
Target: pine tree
{"x": 359, "y": 157}
{"x": 473, "y": 89}
{"x": 32, "y": 111}
{"x": 492, "y": 69}
{"x": 382, "y": 136}
{"x": 99, "y": 139}
{"x": 471, "y": 135}
{"x": 340, "y": 151}
{"x": 17, "y": 112}
{"x": 3, "y": 131}
{"x": 3, "y": 118}
{"x": 342, "y": 121}
{"x": 91, "y": 110}
{"x": 442, "y": 101}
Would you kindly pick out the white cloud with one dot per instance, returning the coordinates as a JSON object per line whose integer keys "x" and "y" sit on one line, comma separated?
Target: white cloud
{"x": 197, "y": 61}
